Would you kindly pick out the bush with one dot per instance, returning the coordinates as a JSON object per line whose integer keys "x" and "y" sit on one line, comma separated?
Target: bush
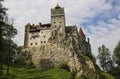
{"x": 29, "y": 65}
{"x": 104, "y": 75}
{"x": 64, "y": 66}
{"x": 0, "y": 70}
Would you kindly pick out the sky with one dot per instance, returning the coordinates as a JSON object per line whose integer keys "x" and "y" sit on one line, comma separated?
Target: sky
{"x": 99, "y": 19}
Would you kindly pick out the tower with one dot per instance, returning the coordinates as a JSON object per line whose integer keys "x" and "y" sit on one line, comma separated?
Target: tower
{"x": 58, "y": 21}
{"x": 26, "y": 38}
{"x": 81, "y": 34}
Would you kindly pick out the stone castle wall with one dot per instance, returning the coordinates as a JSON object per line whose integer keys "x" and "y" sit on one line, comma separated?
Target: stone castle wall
{"x": 58, "y": 45}
{"x": 39, "y": 38}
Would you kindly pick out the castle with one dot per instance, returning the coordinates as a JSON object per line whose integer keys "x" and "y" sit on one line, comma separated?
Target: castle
{"x": 37, "y": 35}
{"x": 52, "y": 44}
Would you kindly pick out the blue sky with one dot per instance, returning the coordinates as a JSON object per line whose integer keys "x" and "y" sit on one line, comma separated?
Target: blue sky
{"x": 100, "y": 19}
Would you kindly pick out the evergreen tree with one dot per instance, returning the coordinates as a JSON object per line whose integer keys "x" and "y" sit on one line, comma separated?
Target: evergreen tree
{"x": 117, "y": 54}
{"x": 2, "y": 18}
{"x": 8, "y": 48}
{"x": 104, "y": 57}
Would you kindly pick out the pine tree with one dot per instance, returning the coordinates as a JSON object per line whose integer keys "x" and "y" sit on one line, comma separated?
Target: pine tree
{"x": 117, "y": 54}
{"x": 104, "y": 57}
{"x": 8, "y": 48}
{"x": 2, "y": 18}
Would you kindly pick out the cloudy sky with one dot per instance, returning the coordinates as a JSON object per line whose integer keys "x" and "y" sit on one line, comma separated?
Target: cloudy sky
{"x": 100, "y": 19}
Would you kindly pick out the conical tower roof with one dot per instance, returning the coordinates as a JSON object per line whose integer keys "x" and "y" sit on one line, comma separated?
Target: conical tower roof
{"x": 27, "y": 25}
{"x": 57, "y": 6}
{"x": 81, "y": 34}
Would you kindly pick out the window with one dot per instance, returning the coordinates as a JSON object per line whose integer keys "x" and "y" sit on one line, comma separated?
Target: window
{"x": 59, "y": 16}
{"x": 44, "y": 41}
{"x": 31, "y": 43}
{"x": 41, "y": 41}
{"x": 41, "y": 31}
{"x": 60, "y": 22}
{"x": 54, "y": 22}
{"x": 35, "y": 43}
{"x": 44, "y": 36}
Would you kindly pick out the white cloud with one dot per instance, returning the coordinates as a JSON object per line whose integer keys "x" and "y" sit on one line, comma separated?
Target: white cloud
{"x": 77, "y": 12}
{"x": 103, "y": 33}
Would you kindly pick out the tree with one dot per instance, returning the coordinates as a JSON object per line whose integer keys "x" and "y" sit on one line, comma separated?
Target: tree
{"x": 104, "y": 57}
{"x": 116, "y": 54}
{"x": 7, "y": 32}
{"x": 2, "y": 18}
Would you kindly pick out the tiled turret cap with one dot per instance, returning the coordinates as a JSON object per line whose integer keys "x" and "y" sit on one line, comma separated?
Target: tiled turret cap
{"x": 57, "y": 6}
{"x": 81, "y": 34}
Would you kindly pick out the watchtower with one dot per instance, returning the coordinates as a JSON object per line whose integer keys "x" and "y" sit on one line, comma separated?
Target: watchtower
{"x": 58, "y": 21}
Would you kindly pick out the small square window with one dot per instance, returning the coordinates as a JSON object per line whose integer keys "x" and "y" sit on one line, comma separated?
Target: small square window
{"x": 44, "y": 41}
{"x": 35, "y": 43}
{"x": 31, "y": 43}
{"x": 41, "y": 41}
{"x": 44, "y": 36}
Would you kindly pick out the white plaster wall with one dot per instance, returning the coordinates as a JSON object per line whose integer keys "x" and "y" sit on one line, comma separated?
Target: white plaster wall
{"x": 41, "y": 39}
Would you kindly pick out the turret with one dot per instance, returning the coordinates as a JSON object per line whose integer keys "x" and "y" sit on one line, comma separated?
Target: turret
{"x": 81, "y": 34}
{"x": 88, "y": 40}
{"x": 26, "y": 40}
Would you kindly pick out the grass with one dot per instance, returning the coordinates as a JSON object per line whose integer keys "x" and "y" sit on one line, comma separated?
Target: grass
{"x": 107, "y": 76}
{"x": 23, "y": 73}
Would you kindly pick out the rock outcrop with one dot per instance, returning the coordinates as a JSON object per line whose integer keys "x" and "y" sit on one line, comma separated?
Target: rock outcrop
{"x": 71, "y": 50}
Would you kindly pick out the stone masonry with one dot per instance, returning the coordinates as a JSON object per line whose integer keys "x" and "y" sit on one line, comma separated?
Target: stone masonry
{"x": 53, "y": 44}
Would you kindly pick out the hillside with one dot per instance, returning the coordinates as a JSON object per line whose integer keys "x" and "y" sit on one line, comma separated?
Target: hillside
{"x": 56, "y": 73}
{"x": 24, "y": 73}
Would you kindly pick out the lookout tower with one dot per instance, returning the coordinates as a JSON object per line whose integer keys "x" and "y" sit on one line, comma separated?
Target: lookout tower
{"x": 58, "y": 21}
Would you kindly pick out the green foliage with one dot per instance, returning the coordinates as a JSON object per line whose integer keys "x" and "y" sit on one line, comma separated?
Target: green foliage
{"x": 86, "y": 58}
{"x": 8, "y": 48}
{"x": 115, "y": 71}
{"x": 23, "y": 73}
{"x": 64, "y": 66}
{"x": 29, "y": 64}
{"x": 104, "y": 75}
{"x": 104, "y": 57}
{"x": 117, "y": 54}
